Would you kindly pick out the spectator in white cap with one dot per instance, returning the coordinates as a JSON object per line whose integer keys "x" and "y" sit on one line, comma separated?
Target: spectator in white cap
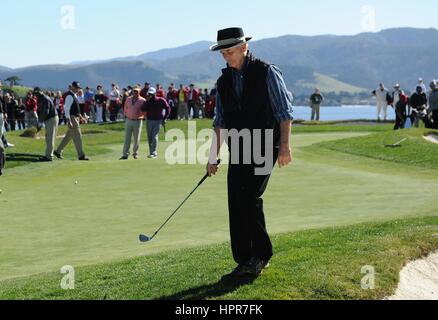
{"x": 422, "y": 85}
{"x": 382, "y": 94}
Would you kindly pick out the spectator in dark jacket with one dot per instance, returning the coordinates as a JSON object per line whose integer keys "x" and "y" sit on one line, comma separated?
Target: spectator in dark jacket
{"x": 172, "y": 100}
{"x": 158, "y": 111}
{"x": 3, "y": 117}
{"x": 11, "y": 107}
{"x": 433, "y": 105}
{"x": 418, "y": 103}
{"x": 47, "y": 113}
{"x": 400, "y": 102}
{"x": 315, "y": 103}
{"x": 20, "y": 115}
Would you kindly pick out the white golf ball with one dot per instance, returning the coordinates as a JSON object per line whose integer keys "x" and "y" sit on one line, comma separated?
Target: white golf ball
{"x": 76, "y": 182}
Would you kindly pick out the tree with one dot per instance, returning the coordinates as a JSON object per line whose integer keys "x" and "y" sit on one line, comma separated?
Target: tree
{"x": 13, "y": 80}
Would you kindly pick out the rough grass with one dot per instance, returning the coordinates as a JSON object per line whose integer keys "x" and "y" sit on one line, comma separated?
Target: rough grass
{"x": 313, "y": 264}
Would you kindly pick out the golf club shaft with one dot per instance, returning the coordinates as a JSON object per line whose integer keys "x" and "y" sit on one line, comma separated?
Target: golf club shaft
{"x": 185, "y": 200}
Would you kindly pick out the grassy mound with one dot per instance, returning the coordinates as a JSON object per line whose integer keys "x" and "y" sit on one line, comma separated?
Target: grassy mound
{"x": 413, "y": 151}
{"x": 314, "y": 264}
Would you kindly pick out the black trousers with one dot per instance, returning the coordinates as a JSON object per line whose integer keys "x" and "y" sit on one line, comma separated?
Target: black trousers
{"x": 435, "y": 119}
{"x": 11, "y": 125}
{"x": 400, "y": 118}
{"x": 249, "y": 236}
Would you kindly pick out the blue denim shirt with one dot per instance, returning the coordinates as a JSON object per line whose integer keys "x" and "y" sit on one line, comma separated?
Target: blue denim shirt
{"x": 281, "y": 99}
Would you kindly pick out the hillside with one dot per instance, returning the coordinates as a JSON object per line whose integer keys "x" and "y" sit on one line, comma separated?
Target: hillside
{"x": 336, "y": 63}
{"x": 362, "y": 60}
{"x": 59, "y": 76}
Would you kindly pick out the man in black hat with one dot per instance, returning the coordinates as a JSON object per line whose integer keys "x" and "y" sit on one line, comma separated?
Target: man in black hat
{"x": 73, "y": 119}
{"x": 252, "y": 97}
{"x": 47, "y": 113}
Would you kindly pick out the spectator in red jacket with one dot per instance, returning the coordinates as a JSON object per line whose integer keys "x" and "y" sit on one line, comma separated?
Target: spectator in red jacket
{"x": 31, "y": 116}
{"x": 193, "y": 101}
{"x": 172, "y": 100}
{"x": 160, "y": 91}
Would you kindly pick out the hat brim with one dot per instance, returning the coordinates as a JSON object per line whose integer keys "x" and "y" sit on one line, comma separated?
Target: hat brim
{"x": 217, "y": 47}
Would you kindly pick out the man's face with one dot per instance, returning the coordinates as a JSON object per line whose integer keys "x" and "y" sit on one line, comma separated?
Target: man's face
{"x": 235, "y": 56}
{"x": 135, "y": 94}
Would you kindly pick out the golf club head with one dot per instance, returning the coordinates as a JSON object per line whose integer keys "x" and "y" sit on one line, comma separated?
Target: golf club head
{"x": 144, "y": 238}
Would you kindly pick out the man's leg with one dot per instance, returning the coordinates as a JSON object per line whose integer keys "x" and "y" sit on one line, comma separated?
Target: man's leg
{"x": 137, "y": 136}
{"x": 128, "y": 134}
{"x": 149, "y": 125}
{"x": 195, "y": 110}
{"x": 11, "y": 125}
{"x": 155, "y": 135}
{"x": 179, "y": 111}
{"x": 312, "y": 118}
{"x": 51, "y": 128}
{"x": 2, "y": 147}
{"x": 318, "y": 112}
{"x": 379, "y": 110}
{"x": 435, "y": 119}
{"x": 34, "y": 119}
{"x": 261, "y": 243}
{"x": 240, "y": 230}
{"x": 385, "y": 112}
{"x": 76, "y": 136}
{"x": 64, "y": 142}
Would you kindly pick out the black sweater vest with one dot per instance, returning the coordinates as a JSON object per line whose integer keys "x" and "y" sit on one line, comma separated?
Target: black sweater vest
{"x": 75, "y": 110}
{"x": 253, "y": 110}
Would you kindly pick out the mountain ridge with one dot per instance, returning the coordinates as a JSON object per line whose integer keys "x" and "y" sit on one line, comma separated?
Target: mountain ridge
{"x": 360, "y": 61}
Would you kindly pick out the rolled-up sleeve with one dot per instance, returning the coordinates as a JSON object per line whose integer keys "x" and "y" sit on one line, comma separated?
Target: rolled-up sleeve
{"x": 219, "y": 117}
{"x": 281, "y": 99}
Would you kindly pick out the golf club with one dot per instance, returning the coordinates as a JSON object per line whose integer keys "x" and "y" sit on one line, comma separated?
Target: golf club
{"x": 396, "y": 145}
{"x": 144, "y": 238}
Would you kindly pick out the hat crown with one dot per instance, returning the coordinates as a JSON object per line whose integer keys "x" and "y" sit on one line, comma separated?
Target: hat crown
{"x": 76, "y": 84}
{"x": 230, "y": 33}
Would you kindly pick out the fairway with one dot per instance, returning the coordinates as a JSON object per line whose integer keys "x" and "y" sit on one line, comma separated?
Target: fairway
{"x": 48, "y": 221}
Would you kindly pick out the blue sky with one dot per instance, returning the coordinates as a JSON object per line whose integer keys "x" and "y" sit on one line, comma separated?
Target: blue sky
{"x": 108, "y": 29}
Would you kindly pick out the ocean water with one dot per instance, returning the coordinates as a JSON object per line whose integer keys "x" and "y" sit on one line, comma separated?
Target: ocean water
{"x": 342, "y": 113}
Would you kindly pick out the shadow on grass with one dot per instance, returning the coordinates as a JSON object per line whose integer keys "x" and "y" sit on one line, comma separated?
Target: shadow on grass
{"x": 218, "y": 289}
{"x": 23, "y": 157}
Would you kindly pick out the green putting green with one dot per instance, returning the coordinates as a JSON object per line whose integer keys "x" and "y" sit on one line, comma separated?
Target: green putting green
{"x": 48, "y": 221}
